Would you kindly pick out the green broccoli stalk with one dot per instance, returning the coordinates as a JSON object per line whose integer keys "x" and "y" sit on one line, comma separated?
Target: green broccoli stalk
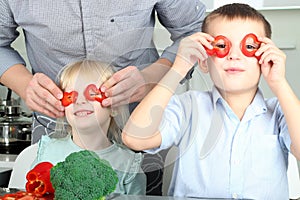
{"x": 83, "y": 176}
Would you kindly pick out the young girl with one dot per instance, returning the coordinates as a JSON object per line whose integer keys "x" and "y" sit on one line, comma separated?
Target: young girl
{"x": 91, "y": 126}
{"x": 232, "y": 142}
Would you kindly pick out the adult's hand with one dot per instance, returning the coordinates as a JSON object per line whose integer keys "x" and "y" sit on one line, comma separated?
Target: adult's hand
{"x": 43, "y": 95}
{"x": 38, "y": 91}
{"x": 125, "y": 86}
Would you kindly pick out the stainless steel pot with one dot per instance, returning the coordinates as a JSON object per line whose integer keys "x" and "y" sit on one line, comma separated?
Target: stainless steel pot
{"x": 15, "y": 129}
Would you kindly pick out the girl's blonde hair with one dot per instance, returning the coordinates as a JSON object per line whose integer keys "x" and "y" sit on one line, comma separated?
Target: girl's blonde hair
{"x": 88, "y": 69}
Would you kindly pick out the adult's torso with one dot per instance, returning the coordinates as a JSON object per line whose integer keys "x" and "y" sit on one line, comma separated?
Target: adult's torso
{"x": 59, "y": 32}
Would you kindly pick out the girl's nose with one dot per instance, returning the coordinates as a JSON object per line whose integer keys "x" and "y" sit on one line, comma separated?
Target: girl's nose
{"x": 81, "y": 99}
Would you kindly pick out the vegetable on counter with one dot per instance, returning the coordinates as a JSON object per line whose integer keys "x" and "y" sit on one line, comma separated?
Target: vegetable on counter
{"x": 83, "y": 175}
{"x": 38, "y": 179}
{"x": 38, "y": 185}
{"x": 22, "y": 195}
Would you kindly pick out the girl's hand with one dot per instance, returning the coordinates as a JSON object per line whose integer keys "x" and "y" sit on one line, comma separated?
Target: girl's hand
{"x": 191, "y": 50}
{"x": 272, "y": 63}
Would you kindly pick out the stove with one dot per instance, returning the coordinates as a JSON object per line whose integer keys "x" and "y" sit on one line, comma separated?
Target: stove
{"x": 15, "y": 126}
{"x": 14, "y": 148}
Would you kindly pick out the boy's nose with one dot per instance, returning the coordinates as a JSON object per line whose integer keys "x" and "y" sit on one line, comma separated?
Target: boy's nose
{"x": 234, "y": 52}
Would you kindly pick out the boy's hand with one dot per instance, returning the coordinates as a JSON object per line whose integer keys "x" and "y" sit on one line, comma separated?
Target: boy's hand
{"x": 191, "y": 49}
{"x": 272, "y": 63}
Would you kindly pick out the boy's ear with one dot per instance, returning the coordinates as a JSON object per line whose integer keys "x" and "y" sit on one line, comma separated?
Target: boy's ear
{"x": 203, "y": 66}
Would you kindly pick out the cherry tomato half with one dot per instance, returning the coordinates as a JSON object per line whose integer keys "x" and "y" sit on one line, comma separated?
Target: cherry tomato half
{"x": 92, "y": 93}
{"x": 250, "y": 44}
{"x": 221, "y": 47}
{"x": 69, "y": 98}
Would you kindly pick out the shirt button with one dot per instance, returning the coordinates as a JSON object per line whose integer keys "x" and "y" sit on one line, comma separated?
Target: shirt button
{"x": 235, "y": 195}
{"x": 112, "y": 20}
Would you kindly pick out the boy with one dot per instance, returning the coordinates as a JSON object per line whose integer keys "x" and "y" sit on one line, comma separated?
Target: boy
{"x": 232, "y": 142}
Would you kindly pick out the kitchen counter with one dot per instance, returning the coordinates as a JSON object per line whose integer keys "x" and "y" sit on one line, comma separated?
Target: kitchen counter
{"x": 7, "y": 160}
{"x": 136, "y": 197}
{"x": 6, "y": 164}
{"x": 4, "y": 176}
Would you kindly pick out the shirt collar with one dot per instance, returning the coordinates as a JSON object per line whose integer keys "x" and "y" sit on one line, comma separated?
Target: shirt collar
{"x": 258, "y": 104}
{"x": 216, "y": 96}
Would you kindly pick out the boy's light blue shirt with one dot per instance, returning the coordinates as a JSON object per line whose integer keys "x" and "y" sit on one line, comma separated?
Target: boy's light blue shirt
{"x": 249, "y": 160}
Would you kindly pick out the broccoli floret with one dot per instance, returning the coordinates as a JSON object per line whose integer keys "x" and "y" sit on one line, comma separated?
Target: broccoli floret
{"x": 83, "y": 176}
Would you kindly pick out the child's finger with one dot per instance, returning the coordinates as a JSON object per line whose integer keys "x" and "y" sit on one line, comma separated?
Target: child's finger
{"x": 204, "y": 39}
{"x": 265, "y": 44}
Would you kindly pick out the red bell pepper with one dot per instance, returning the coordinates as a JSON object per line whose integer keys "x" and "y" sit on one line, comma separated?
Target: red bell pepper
{"x": 22, "y": 195}
{"x": 38, "y": 179}
{"x": 69, "y": 98}
{"x": 92, "y": 93}
{"x": 221, "y": 47}
{"x": 250, "y": 44}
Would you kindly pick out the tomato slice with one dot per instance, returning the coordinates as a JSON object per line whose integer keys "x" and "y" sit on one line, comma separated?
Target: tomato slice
{"x": 221, "y": 47}
{"x": 92, "y": 93}
{"x": 69, "y": 98}
{"x": 250, "y": 44}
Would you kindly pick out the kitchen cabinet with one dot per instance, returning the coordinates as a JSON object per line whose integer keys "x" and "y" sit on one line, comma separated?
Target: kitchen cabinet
{"x": 4, "y": 176}
{"x": 6, "y": 165}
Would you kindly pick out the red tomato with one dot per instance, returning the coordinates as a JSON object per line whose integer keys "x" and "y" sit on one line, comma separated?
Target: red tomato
{"x": 221, "y": 47}
{"x": 250, "y": 44}
{"x": 69, "y": 98}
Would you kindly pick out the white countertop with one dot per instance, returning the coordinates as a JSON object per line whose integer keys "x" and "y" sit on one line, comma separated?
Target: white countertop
{"x": 2, "y": 170}
{"x": 136, "y": 197}
{"x": 7, "y": 160}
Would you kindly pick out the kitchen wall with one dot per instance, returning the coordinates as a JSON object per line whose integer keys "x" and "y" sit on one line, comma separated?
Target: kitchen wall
{"x": 18, "y": 45}
{"x": 259, "y": 4}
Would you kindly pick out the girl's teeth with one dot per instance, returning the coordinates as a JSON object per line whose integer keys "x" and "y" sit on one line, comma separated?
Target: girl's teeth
{"x": 82, "y": 114}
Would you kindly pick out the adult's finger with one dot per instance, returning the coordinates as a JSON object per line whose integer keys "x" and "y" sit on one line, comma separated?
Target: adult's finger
{"x": 43, "y": 95}
{"x": 116, "y": 78}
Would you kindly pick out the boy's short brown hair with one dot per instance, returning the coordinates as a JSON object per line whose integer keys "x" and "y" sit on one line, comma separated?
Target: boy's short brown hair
{"x": 237, "y": 10}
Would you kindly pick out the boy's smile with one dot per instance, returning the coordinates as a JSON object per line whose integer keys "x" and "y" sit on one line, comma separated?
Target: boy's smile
{"x": 234, "y": 70}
